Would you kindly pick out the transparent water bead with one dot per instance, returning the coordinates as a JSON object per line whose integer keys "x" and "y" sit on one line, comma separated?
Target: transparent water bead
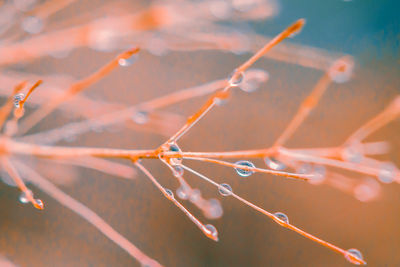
{"x": 253, "y": 80}
{"x": 126, "y": 62}
{"x": 274, "y": 164}
{"x": 225, "y": 189}
{"x": 32, "y": 24}
{"x": 387, "y": 173}
{"x": 342, "y": 70}
{"x": 354, "y": 255}
{"x": 173, "y": 147}
{"x": 169, "y": 193}
{"x": 235, "y": 78}
{"x": 214, "y": 209}
{"x": 212, "y": 231}
{"x": 243, "y": 172}
{"x": 39, "y": 203}
{"x": 17, "y": 99}
{"x": 282, "y": 216}
{"x": 141, "y": 117}
{"x": 178, "y": 171}
{"x": 182, "y": 192}
{"x": 23, "y": 198}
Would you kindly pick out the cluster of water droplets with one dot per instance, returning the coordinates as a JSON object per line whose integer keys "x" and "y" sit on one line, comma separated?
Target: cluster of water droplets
{"x": 244, "y": 172}
{"x": 24, "y": 199}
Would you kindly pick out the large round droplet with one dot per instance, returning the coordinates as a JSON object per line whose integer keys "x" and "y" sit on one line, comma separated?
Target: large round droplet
{"x": 274, "y": 164}
{"x": 225, "y": 189}
{"x": 173, "y": 147}
{"x": 282, "y": 217}
{"x": 354, "y": 256}
{"x": 235, "y": 78}
{"x": 244, "y": 172}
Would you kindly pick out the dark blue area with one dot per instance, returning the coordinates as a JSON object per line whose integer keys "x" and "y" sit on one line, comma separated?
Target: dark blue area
{"x": 343, "y": 26}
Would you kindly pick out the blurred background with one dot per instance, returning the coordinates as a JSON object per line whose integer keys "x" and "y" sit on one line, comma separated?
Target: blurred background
{"x": 367, "y": 30}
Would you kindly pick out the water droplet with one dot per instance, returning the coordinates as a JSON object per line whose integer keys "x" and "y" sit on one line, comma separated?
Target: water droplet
{"x": 212, "y": 231}
{"x": 387, "y": 173}
{"x": 243, "y": 172}
{"x": 253, "y": 79}
{"x": 225, "y": 189}
{"x": 17, "y": 99}
{"x": 169, "y": 192}
{"x": 126, "y": 62}
{"x": 353, "y": 255}
{"x": 195, "y": 195}
{"x": 353, "y": 153}
{"x": 23, "y": 198}
{"x": 274, "y": 164}
{"x": 39, "y": 203}
{"x": 173, "y": 147}
{"x": 32, "y": 24}
{"x": 282, "y": 216}
{"x": 140, "y": 117}
{"x": 182, "y": 192}
{"x": 214, "y": 209}
{"x": 319, "y": 174}
{"x": 235, "y": 78}
{"x": 341, "y": 70}
{"x": 178, "y": 171}
{"x": 367, "y": 190}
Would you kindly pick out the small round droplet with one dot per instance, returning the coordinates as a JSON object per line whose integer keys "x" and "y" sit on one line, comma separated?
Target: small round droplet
{"x": 341, "y": 70}
{"x": 173, "y": 147}
{"x": 387, "y": 173}
{"x": 17, "y": 99}
{"x": 39, "y": 203}
{"x": 23, "y": 198}
{"x": 169, "y": 192}
{"x": 182, "y": 193}
{"x": 319, "y": 175}
{"x": 243, "y": 172}
{"x": 32, "y": 24}
{"x": 253, "y": 80}
{"x": 140, "y": 117}
{"x": 235, "y": 78}
{"x": 274, "y": 164}
{"x": 354, "y": 256}
{"x": 225, "y": 189}
{"x": 126, "y": 62}
{"x": 214, "y": 209}
{"x": 367, "y": 190}
{"x": 212, "y": 231}
{"x": 178, "y": 171}
{"x": 282, "y": 216}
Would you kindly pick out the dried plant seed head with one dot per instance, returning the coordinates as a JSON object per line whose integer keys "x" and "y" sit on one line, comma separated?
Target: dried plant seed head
{"x": 253, "y": 80}
{"x": 274, "y": 164}
{"x": 235, "y": 78}
{"x": 244, "y": 172}
{"x": 211, "y": 232}
{"x": 354, "y": 256}
{"x": 17, "y": 99}
{"x": 282, "y": 217}
{"x": 387, "y": 172}
{"x": 225, "y": 189}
